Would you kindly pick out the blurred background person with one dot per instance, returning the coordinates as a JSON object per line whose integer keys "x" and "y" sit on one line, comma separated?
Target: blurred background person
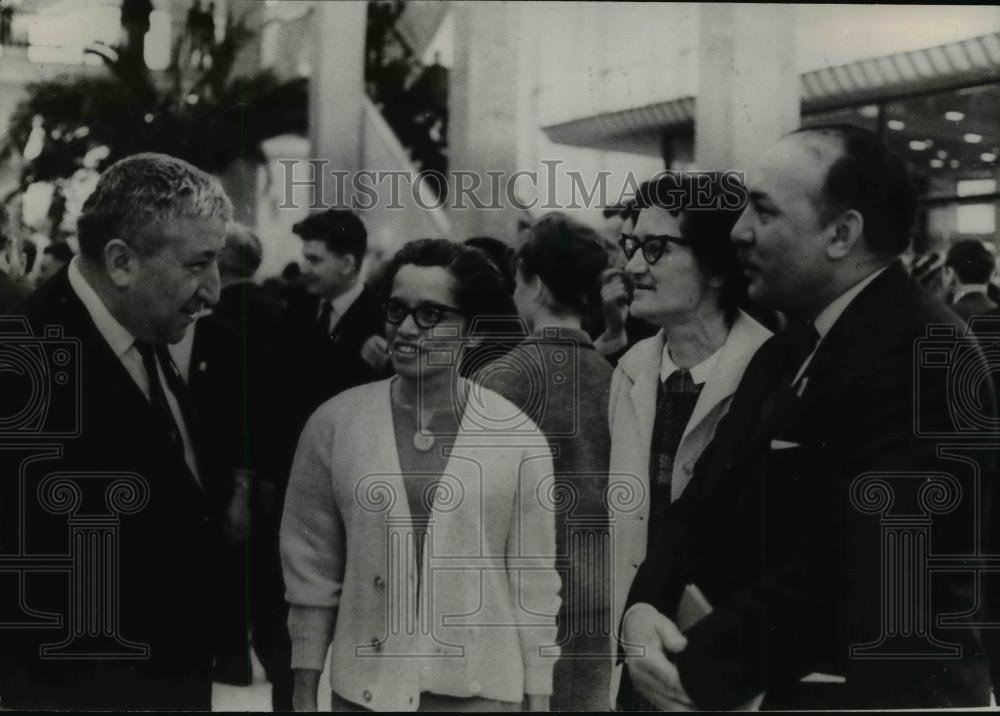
{"x": 561, "y": 382}
{"x": 670, "y": 391}
{"x": 262, "y": 370}
{"x": 416, "y": 454}
{"x": 54, "y": 257}
{"x": 13, "y": 286}
{"x": 331, "y": 323}
{"x": 968, "y": 267}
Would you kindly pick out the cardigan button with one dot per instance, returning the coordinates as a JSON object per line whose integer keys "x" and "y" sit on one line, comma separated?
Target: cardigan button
{"x": 376, "y": 644}
{"x": 379, "y": 582}
{"x": 367, "y": 695}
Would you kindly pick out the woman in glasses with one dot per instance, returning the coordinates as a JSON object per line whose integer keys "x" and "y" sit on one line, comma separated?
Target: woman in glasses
{"x": 557, "y": 378}
{"x": 414, "y": 536}
{"x": 669, "y": 392}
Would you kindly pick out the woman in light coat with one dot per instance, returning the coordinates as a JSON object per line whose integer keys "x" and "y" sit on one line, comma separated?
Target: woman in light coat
{"x": 417, "y": 536}
{"x": 669, "y": 391}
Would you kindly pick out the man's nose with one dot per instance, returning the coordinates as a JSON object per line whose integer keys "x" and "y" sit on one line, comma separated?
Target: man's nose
{"x": 741, "y": 230}
{"x": 211, "y": 286}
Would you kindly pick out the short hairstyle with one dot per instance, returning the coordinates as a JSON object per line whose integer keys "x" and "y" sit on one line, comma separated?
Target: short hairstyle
{"x": 479, "y": 288}
{"x": 142, "y": 189}
{"x": 60, "y": 251}
{"x": 708, "y": 205}
{"x": 242, "y": 253}
{"x": 971, "y": 261}
{"x": 868, "y": 178}
{"x": 569, "y": 258}
{"x": 340, "y": 229}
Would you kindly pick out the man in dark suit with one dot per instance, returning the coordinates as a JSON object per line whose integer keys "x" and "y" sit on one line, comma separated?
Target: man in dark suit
{"x": 968, "y": 268}
{"x": 340, "y": 315}
{"x": 821, "y": 476}
{"x": 121, "y": 511}
{"x": 265, "y": 447}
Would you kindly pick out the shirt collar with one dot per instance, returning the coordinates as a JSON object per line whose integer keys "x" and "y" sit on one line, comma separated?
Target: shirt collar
{"x": 963, "y": 291}
{"x": 345, "y": 300}
{"x": 829, "y": 315}
{"x": 699, "y": 373}
{"x": 116, "y": 335}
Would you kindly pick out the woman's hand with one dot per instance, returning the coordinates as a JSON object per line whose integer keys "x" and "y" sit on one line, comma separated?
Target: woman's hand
{"x": 304, "y": 689}
{"x": 538, "y": 702}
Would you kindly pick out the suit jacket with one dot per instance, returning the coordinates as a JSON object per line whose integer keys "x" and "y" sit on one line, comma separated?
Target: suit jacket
{"x": 327, "y": 365}
{"x": 788, "y": 522}
{"x": 100, "y": 437}
{"x": 631, "y": 412}
{"x": 974, "y": 304}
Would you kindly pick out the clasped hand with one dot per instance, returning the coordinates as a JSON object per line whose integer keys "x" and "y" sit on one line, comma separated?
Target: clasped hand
{"x": 652, "y": 639}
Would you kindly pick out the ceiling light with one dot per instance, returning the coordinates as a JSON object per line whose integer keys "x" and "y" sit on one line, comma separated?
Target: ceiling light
{"x": 988, "y": 157}
{"x": 973, "y": 138}
{"x": 918, "y": 146}
{"x": 953, "y": 116}
{"x": 869, "y": 110}
{"x": 942, "y": 154}
{"x": 937, "y": 163}
{"x": 895, "y": 124}
{"x": 954, "y": 164}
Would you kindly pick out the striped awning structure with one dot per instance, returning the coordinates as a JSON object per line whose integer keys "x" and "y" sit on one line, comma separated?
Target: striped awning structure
{"x": 964, "y": 63}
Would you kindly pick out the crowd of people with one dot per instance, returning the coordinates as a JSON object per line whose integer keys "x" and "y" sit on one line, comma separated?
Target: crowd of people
{"x": 656, "y": 473}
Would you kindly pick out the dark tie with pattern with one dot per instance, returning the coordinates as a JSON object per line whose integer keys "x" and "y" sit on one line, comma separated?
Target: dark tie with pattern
{"x": 675, "y": 401}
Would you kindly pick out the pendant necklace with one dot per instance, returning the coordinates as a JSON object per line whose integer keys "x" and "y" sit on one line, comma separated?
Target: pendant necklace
{"x": 423, "y": 438}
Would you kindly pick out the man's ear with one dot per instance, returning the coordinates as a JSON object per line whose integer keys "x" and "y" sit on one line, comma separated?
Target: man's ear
{"x": 352, "y": 264}
{"x": 846, "y": 231}
{"x": 121, "y": 262}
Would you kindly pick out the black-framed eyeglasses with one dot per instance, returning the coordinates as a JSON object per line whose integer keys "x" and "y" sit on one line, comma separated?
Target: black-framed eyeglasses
{"x": 652, "y": 246}
{"x": 426, "y": 315}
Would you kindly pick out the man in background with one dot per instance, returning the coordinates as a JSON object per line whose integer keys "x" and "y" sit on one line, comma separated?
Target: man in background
{"x": 339, "y": 314}
{"x": 967, "y": 269}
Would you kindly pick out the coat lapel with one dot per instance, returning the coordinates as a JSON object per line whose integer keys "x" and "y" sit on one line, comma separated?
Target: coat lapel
{"x": 642, "y": 366}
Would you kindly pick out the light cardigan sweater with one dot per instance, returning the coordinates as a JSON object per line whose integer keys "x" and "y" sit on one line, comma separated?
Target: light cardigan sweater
{"x": 486, "y": 624}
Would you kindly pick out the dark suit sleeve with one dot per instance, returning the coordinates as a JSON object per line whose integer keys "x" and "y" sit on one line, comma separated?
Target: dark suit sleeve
{"x": 780, "y": 627}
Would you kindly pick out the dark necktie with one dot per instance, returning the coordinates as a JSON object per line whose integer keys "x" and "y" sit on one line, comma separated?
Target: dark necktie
{"x": 150, "y": 357}
{"x": 798, "y": 343}
{"x": 325, "y": 313}
{"x": 675, "y": 401}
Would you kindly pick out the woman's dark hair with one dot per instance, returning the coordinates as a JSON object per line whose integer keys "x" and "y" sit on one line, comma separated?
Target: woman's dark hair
{"x": 708, "y": 204}
{"x": 480, "y": 292}
{"x": 499, "y": 252}
{"x": 569, "y": 258}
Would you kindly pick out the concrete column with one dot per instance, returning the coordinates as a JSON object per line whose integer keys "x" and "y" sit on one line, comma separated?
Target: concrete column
{"x": 483, "y": 113}
{"x": 748, "y": 84}
{"x": 337, "y": 90}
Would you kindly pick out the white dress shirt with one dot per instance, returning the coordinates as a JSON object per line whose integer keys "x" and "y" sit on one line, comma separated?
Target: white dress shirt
{"x": 699, "y": 373}
{"x": 122, "y": 344}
